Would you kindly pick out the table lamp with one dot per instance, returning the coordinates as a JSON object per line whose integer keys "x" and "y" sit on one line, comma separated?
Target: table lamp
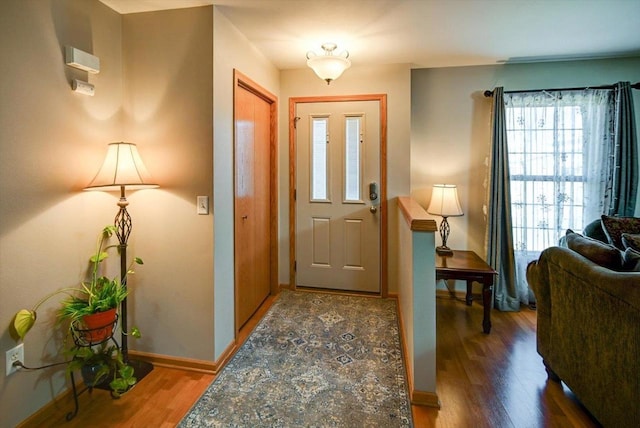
{"x": 445, "y": 203}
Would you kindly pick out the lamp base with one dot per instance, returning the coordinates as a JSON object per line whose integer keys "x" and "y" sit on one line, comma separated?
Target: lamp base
{"x": 444, "y": 251}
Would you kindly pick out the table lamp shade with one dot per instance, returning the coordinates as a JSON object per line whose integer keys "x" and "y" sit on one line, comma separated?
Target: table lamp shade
{"x": 444, "y": 201}
{"x": 122, "y": 167}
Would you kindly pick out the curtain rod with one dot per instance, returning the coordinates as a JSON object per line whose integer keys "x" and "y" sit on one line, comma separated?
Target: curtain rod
{"x": 489, "y": 93}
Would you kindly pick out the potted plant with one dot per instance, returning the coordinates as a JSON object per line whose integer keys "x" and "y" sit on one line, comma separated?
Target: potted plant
{"x": 92, "y": 311}
{"x": 102, "y": 365}
{"x": 99, "y": 297}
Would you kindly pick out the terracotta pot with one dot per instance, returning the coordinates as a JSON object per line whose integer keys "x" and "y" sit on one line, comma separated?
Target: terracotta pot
{"x": 98, "y": 327}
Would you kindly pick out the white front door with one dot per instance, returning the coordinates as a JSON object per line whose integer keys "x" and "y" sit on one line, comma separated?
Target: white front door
{"x": 338, "y": 195}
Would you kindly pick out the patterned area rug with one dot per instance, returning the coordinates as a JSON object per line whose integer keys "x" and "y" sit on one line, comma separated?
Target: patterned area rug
{"x": 315, "y": 360}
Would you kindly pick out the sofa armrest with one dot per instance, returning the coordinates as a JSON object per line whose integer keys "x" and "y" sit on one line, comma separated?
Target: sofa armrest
{"x": 538, "y": 280}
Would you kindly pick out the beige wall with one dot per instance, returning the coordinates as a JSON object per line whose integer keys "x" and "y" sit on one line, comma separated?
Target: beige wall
{"x": 52, "y": 142}
{"x": 450, "y": 127}
{"x": 155, "y": 88}
{"x": 231, "y": 50}
{"x": 393, "y": 80}
{"x": 168, "y": 111}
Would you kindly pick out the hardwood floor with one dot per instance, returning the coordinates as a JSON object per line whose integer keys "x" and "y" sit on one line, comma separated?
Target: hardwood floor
{"x": 161, "y": 399}
{"x": 494, "y": 380}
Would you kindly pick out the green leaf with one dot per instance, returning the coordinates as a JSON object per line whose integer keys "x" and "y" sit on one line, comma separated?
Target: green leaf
{"x": 135, "y": 332}
{"x": 23, "y": 321}
{"x": 102, "y": 374}
{"x": 84, "y": 353}
{"x": 97, "y": 258}
{"x": 138, "y": 260}
{"x": 126, "y": 371}
{"x": 118, "y": 386}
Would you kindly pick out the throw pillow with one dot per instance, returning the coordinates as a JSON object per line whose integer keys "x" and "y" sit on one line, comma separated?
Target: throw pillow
{"x": 598, "y": 252}
{"x": 594, "y": 230}
{"x": 631, "y": 241}
{"x": 614, "y": 227}
{"x": 631, "y": 259}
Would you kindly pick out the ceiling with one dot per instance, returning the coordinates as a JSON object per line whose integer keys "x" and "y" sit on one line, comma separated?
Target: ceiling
{"x": 427, "y": 33}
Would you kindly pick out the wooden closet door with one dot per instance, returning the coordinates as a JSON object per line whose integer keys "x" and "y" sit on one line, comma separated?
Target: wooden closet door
{"x": 252, "y": 203}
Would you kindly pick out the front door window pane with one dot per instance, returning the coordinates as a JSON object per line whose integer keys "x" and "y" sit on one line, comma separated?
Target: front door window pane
{"x": 353, "y": 158}
{"x": 319, "y": 158}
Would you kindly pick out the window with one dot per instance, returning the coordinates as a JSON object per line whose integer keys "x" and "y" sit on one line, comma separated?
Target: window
{"x": 547, "y": 178}
{"x": 319, "y": 158}
{"x": 557, "y": 157}
{"x": 353, "y": 159}
{"x": 559, "y": 163}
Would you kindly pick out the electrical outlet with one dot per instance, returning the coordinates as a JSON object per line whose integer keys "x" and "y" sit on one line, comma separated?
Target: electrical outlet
{"x": 13, "y": 355}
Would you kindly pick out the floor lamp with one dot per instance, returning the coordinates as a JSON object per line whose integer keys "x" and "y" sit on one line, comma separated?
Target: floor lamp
{"x": 445, "y": 203}
{"x": 123, "y": 168}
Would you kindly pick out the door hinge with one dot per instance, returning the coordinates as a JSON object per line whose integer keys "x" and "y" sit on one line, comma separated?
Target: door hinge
{"x": 295, "y": 266}
{"x": 295, "y": 122}
{"x": 295, "y": 194}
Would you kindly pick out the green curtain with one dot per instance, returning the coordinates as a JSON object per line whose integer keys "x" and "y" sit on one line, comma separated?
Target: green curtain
{"x": 625, "y": 175}
{"x": 500, "y": 234}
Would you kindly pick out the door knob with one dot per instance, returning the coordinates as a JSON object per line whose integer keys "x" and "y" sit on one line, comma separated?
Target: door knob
{"x": 373, "y": 209}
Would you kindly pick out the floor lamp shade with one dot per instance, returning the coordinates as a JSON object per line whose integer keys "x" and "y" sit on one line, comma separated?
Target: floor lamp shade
{"x": 445, "y": 203}
{"x": 122, "y": 166}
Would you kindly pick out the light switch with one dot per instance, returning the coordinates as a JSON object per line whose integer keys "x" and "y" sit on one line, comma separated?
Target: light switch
{"x": 203, "y": 205}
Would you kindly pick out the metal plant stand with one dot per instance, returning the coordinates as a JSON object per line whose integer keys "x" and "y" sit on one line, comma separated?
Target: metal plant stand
{"x": 80, "y": 338}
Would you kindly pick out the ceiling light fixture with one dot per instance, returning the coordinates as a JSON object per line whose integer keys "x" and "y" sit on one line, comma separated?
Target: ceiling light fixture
{"x": 328, "y": 67}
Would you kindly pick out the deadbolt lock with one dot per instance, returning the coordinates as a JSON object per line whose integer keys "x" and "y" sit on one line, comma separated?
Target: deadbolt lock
{"x": 373, "y": 193}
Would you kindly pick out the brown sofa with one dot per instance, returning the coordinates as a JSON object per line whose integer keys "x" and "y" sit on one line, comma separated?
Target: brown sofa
{"x": 589, "y": 332}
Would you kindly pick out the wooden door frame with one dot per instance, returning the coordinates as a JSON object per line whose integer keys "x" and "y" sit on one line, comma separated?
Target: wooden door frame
{"x": 240, "y": 80}
{"x": 293, "y": 103}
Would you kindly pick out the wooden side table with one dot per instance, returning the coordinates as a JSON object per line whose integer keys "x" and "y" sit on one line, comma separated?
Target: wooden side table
{"x": 468, "y": 266}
